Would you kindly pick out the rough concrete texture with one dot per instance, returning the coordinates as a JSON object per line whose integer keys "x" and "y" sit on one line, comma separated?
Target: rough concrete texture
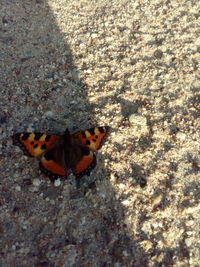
{"x": 132, "y": 65}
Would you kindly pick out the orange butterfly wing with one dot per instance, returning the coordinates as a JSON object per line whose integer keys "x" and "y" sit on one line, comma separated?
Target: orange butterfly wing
{"x": 34, "y": 144}
{"x": 86, "y": 164}
{"x": 93, "y": 137}
{"x": 52, "y": 163}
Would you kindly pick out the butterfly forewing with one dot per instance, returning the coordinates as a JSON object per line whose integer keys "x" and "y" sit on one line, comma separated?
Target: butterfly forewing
{"x": 93, "y": 137}
{"x": 35, "y": 144}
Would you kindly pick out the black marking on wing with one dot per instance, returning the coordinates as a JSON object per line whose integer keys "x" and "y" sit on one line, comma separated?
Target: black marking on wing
{"x": 83, "y": 134}
{"x": 102, "y": 129}
{"x": 43, "y": 147}
{"x": 38, "y": 136}
{"x": 47, "y": 138}
{"x": 91, "y": 131}
{"x": 24, "y": 136}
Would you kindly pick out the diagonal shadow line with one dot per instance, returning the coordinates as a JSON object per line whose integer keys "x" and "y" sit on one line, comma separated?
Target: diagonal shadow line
{"x": 32, "y": 45}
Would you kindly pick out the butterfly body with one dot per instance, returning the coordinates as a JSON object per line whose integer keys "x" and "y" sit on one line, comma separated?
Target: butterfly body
{"x": 59, "y": 153}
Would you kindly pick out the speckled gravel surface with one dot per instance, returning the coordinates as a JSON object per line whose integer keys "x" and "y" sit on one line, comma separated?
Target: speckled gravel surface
{"x": 132, "y": 65}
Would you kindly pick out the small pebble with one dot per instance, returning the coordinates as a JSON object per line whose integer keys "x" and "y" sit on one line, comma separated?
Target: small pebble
{"x": 48, "y": 114}
{"x": 57, "y": 182}
{"x": 126, "y": 202}
{"x": 30, "y": 129}
{"x": 181, "y": 136}
{"x": 94, "y": 35}
{"x": 189, "y": 241}
{"x": 113, "y": 178}
{"x": 33, "y": 189}
{"x": 156, "y": 199}
{"x": 18, "y": 188}
{"x": 160, "y": 134}
{"x": 36, "y": 182}
{"x": 138, "y": 120}
{"x": 189, "y": 233}
{"x": 121, "y": 186}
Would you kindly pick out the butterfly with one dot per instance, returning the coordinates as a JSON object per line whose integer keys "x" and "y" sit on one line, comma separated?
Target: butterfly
{"x": 60, "y": 153}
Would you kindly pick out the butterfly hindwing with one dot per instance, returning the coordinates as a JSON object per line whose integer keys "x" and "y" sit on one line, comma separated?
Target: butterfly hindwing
{"x": 34, "y": 144}
{"x": 52, "y": 163}
{"x": 93, "y": 137}
{"x": 85, "y": 164}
